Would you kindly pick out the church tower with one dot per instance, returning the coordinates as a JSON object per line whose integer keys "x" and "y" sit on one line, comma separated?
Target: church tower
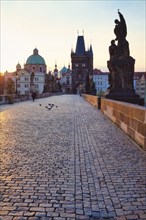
{"x": 56, "y": 71}
{"x": 82, "y": 64}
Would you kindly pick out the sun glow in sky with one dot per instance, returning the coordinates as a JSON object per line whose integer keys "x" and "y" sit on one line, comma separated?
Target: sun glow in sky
{"x": 52, "y": 26}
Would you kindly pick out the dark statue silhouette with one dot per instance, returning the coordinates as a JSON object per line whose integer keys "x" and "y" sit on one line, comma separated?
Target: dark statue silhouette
{"x": 121, "y": 65}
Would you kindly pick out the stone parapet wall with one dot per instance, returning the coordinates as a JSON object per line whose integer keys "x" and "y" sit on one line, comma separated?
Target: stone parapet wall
{"x": 129, "y": 117}
{"x": 93, "y": 100}
{"x": 10, "y": 99}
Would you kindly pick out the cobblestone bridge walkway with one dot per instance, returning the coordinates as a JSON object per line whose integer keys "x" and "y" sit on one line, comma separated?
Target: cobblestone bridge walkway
{"x": 68, "y": 163}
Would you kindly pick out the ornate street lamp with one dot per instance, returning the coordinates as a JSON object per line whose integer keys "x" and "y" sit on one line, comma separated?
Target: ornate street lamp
{"x": 16, "y": 77}
{"x": 145, "y": 94}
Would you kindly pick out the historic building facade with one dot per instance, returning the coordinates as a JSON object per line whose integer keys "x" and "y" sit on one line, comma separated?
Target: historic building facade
{"x": 82, "y": 64}
{"x": 140, "y": 84}
{"x": 66, "y": 80}
{"x": 31, "y": 77}
{"x": 37, "y": 69}
{"x": 101, "y": 81}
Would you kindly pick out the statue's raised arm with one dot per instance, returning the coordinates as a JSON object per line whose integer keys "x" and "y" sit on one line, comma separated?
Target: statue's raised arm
{"x": 120, "y": 28}
{"x": 123, "y": 24}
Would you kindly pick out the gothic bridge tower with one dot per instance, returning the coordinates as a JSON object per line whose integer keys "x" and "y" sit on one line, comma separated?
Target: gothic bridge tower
{"x": 82, "y": 64}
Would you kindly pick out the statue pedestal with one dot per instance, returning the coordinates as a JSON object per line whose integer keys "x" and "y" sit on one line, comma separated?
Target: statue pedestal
{"x": 125, "y": 96}
{"x": 121, "y": 80}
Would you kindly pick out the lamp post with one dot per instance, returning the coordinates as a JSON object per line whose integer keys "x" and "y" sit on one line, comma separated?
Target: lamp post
{"x": 16, "y": 77}
{"x": 145, "y": 94}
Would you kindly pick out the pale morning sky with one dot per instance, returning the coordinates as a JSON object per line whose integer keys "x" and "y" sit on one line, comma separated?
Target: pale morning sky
{"x": 52, "y": 26}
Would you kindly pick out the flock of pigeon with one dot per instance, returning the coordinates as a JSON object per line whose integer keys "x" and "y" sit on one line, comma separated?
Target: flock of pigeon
{"x": 49, "y": 106}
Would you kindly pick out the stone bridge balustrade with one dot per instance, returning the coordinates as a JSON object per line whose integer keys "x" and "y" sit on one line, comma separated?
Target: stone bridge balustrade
{"x": 128, "y": 117}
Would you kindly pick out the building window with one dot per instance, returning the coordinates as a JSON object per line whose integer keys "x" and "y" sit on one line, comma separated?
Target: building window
{"x": 36, "y": 79}
{"x": 26, "y": 85}
{"x": 76, "y": 64}
{"x": 83, "y": 64}
{"x": 67, "y": 80}
{"x": 41, "y": 69}
{"x": 26, "y": 79}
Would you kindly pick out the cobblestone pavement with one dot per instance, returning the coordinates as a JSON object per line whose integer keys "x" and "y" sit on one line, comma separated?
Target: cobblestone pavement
{"x": 68, "y": 163}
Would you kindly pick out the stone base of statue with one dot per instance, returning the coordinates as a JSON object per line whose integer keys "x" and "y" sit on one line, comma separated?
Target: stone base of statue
{"x": 125, "y": 96}
{"x": 121, "y": 80}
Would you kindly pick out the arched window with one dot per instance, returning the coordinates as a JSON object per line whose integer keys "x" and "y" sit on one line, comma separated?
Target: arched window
{"x": 41, "y": 69}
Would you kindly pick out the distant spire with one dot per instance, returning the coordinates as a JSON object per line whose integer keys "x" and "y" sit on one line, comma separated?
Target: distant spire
{"x": 72, "y": 50}
{"x": 91, "y": 51}
{"x": 18, "y": 66}
{"x": 55, "y": 70}
{"x": 69, "y": 66}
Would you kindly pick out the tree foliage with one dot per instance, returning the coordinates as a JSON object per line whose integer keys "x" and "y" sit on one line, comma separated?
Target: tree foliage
{"x": 10, "y": 86}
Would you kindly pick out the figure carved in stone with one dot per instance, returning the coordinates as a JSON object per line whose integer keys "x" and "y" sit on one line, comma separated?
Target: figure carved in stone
{"x": 120, "y": 28}
{"x": 112, "y": 49}
{"x": 120, "y": 31}
{"x": 120, "y": 65}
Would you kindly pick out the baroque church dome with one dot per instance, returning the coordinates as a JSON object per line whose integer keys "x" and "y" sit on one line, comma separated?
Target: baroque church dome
{"x": 35, "y": 58}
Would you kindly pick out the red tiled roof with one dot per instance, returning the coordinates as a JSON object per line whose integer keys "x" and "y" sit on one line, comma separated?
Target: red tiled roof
{"x": 99, "y": 72}
{"x": 138, "y": 75}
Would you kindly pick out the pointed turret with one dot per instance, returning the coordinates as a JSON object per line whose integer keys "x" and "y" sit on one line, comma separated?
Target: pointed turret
{"x": 90, "y": 50}
{"x": 80, "y": 46}
{"x": 18, "y": 66}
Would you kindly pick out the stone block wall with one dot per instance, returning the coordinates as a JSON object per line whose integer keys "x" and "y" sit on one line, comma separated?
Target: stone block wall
{"x": 93, "y": 100}
{"x": 129, "y": 117}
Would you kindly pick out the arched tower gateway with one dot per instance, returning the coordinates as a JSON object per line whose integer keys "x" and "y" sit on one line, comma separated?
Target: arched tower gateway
{"x": 82, "y": 64}
{"x": 37, "y": 68}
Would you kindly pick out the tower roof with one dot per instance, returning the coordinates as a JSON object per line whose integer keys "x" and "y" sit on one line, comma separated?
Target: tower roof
{"x": 18, "y": 66}
{"x": 80, "y": 46}
{"x": 35, "y": 58}
{"x": 63, "y": 70}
